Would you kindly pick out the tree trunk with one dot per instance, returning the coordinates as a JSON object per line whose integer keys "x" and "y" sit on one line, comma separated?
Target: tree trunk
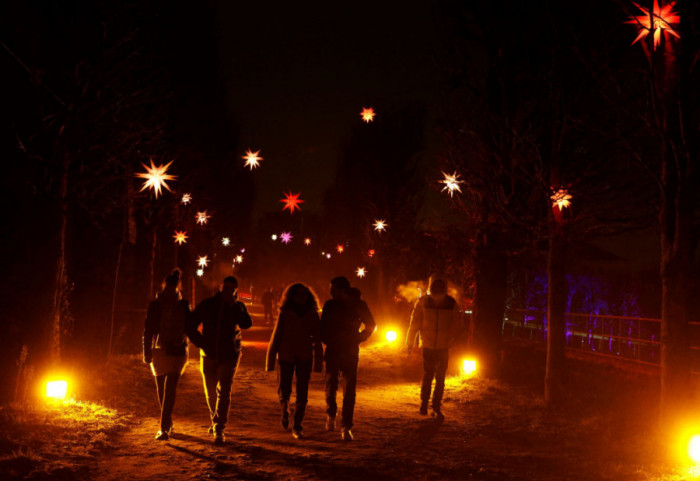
{"x": 152, "y": 266}
{"x": 555, "y": 374}
{"x": 489, "y": 306}
{"x": 125, "y": 235}
{"x": 61, "y": 279}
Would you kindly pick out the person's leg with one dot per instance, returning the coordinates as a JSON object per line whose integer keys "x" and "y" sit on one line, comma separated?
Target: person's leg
{"x": 350, "y": 379}
{"x": 209, "y": 370}
{"x": 429, "y": 362}
{"x": 166, "y": 414}
{"x": 160, "y": 389}
{"x": 303, "y": 369}
{"x": 285, "y": 390}
{"x": 442, "y": 356}
{"x": 332, "y": 373}
{"x": 226, "y": 371}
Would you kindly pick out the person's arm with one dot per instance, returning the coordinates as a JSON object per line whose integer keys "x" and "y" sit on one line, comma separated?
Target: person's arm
{"x": 244, "y": 320}
{"x": 316, "y": 339}
{"x": 368, "y": 321}
{"x": 192, "y": 323}
{"x": 325, "y": 327}
{"x": 273, "y": 346}
{"x": 415, "y": 324}
{"x": 149, "y": 331}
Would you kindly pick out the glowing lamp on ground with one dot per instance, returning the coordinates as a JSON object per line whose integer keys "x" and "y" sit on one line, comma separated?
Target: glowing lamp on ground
{"x": 56, "y": 389}
{"x": 391, "y": 336}
{"x": 694, "y": 449}
{"x": 468, "y": 367}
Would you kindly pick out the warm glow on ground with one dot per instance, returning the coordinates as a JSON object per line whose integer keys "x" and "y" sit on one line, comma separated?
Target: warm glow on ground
{"x": 56, "y": 389}
{"x": 391, "y": 336}
{"x": 468, "y": 366}
{"x": 694, "y": 449}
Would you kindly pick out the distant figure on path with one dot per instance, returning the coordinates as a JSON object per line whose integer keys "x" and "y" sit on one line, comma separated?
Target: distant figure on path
{"x": 340, "y": 331}
{"x": 165, "y": 346}
{"x": 267, "y": 301}
{"x": 296, "y": 340}
{"x": 222, "y": 317}
{"x": 436, "y": 318}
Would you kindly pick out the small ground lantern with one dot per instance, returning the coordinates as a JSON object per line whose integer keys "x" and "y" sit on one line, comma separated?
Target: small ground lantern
{"x": 694, "y": 449}
{"x": 391, "y": 336}
{"x": 57, "y": 389}
{"x": 468, "y": 367}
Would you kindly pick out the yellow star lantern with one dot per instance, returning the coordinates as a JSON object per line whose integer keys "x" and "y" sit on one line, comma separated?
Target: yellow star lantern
{"x": 225, "y": 241}
{"x": 155, "y": 177}
{"x": 252, "y": 159}
{"x": 238, "y": 259}
{"x": 180, "y": 237}
{"x": 451, "y": 183}
{"x": 202, "y": 217}
{"x": 307, "y": 241}
{"x": 367, "y": 114}
{"x": 186, "y": 198}
{"x": 658, "y": 20}
{"x": 361, "y": 272}
{"x": 203, "y": 261}
{"x": 561, "y": 199}
{"x": 380, "y": 225}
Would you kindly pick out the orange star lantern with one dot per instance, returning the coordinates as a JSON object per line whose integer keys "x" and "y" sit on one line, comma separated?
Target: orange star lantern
{"x": 380, "y": 225}
{"x": 307, "y": 241}
{"x": 561, "y": 199}
{"x": 155, "y": 177}
{"x": 202, "y": 217}
{"x": 180, "y": 237}
{"x": 339, "y": 248}
{"x": 252, "y": 159}
{"x": 186, "y": 198}
{"x": 367, "y": 114}
{"x": 291, "y": 201}
{"x": 658, "y": 20}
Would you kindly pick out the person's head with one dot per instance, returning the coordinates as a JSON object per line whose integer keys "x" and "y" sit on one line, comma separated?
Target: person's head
{"x": 173, "y": 280}
{"x": 437, "y": 288}
{"x": 299, "y": 295}
{"x": 339, "y": 287}
{"x": 229, "y": 286}
{"x": 354, "y": 293}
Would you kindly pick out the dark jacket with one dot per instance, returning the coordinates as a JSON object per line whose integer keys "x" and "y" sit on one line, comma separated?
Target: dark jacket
{"x": 340, "y": 327}
{"x": 221, "y": 327}
{"x": 166, "y": 325}
{"x": 296, "y": 338}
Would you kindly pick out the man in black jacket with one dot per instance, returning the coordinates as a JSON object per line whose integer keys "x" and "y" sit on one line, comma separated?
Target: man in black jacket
{"x": 341, "y": 319}
{"x": 222, "y": 317}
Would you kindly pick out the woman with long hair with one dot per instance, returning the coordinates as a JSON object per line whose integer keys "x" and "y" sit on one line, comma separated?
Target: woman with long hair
{"x": 165, "y": 346}
{"x": 296, "y": 342}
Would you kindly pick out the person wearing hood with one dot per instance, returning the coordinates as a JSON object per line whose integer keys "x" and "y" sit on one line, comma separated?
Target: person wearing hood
{"x": 296, "y": 341}
{"x": 221, "y": 318}
{"x": 165, "y": 346}
{"x": 436, "y": 318}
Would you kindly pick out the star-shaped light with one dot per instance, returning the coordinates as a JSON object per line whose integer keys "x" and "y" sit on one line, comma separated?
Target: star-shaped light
{"x": 186, "y": 198}
{"x": 203, "y": 261}
{"x": 286, "y": 237}
{"x": 291, "y": 201}
{"x": 370, "y": 253}
{"x": 340, "y": 248}
{"x": 200, "y": 272}
{"x": 202, "y": 217}
{"x": 274, "y": 237}
{"x": 660, "y": 19}
{"x": 155, "y": 177}
{"x": 367, "y": 114}
{"x": 307, "y": 241}
{"x": 561, "y": 199}
{"x": 380, "y": 225}
{"x": 360, "y": 272}
{"x": 451, "y": 183}
{"x": 180, "y": 237}
{"x": 225, "y": 241}
{"x": 328, "y": 255}
{"x": 252, "y": 159}
{"x": 238, "y": 259}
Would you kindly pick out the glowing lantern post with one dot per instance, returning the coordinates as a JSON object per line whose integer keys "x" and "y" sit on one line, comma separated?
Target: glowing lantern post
{"x": 202, "y": 217}
{"x": 57, "y": 389}
{"x": 252, "y": 159}
{"x": 451, "y": 183}
{"x": 468, "y": 367}
{"x": 380, "y": 225}
{"x": 361, "y": 272}
{"x": 180, "y": 237}
{"x": 291, "y": 201}
{"x": 367, "y": 114}
{"x": 155, "y": 177}
{"x": 657, "y": 20}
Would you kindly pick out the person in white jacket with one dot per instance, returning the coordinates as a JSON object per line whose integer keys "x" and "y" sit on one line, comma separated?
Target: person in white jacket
{"x": 436, "y": 318}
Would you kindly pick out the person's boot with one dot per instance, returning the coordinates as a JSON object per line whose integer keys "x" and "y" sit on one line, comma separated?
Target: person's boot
{"x": 219, "y": 438}
{"x": 298, "y": 433}
{"x": 162, "y": 436}
{"x": 285, "y": 414}
{"x": 330, "y": 423}
{"x": 346, "y": 434}
{"x": 423, "y": 410}
{"x": 437, "y": 413}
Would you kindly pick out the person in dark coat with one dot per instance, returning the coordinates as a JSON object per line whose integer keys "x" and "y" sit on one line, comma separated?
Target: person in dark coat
{"x": 221, "y": 318}
{"x": 342, "y": 317}
{"x": 436, "y": 318}
{"x": 165, "y": 346}
{"x": 296, "y": 341}
{"x": 267, "y": 300}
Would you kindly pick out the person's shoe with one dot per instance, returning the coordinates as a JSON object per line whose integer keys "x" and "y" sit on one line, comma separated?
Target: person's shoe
{"x": 346, "y": 434}
{"x": 219, "y": 439}
{"x": 437, "y": 414}
{"x": 330, "y": 423}
{"x": 423, "y": 411}
{"x": 298, "y": 433}
{"x": 162, "y": 436}
{"x": 211, "y": 430}
{"x": 285, "y": 419}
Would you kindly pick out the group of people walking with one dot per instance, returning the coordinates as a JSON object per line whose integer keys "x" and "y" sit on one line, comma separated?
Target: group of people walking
{"x": 296, "y": 344}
